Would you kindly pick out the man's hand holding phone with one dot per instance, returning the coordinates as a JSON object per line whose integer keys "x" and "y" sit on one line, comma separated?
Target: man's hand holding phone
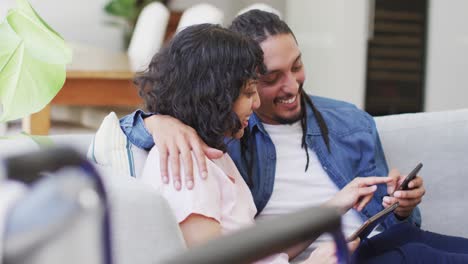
{"x": 407, "y": 193}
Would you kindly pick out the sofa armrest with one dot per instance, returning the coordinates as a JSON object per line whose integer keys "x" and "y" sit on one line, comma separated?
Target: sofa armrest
{"x": 267, "y": 238}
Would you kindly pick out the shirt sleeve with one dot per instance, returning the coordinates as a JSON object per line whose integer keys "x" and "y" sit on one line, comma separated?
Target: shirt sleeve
{"x": 204, "y": 199}
{"x": 134, "y": 128}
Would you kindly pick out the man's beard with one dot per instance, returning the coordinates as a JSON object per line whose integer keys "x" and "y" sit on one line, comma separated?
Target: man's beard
{"x": 298, "y": 116}
{"x": 290, "y": 120}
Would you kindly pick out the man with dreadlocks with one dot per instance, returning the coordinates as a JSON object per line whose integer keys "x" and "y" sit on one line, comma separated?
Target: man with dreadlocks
{"x": 299, "y": 151}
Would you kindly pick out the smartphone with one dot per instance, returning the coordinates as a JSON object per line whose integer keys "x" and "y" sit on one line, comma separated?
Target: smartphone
{"x": 369, "y": 225}
{"x": 410, "y": 177}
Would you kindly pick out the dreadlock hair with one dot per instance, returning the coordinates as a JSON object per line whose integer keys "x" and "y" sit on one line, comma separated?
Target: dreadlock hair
{"x": 197, "y": 78}
{"x": 259, "y": 25}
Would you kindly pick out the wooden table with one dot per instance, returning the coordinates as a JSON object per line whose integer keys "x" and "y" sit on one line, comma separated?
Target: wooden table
{"x": 95, "y": 78}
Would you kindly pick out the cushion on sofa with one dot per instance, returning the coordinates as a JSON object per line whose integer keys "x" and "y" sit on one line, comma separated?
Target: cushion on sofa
{"x": 440, "y": 141}
{"x": 111, "y": 148}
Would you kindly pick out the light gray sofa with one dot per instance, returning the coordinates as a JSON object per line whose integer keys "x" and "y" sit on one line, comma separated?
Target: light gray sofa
{"x": 439, "y": 140}
{"x": 142, "y": 226}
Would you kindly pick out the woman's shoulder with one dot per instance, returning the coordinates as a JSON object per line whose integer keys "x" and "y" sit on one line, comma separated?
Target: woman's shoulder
{"x": 228, "y": 167}
{"x": 205, "y": 198}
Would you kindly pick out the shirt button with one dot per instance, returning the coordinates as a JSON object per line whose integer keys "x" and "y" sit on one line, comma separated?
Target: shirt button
{"x": 325, "y": 168}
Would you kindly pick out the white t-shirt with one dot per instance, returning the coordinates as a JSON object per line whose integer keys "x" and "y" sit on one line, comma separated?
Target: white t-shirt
{"x": 223, "y": 196}
{"x": 294, "y": 188}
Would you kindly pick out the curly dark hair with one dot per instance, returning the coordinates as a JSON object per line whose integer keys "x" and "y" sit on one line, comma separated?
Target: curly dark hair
{"x": 197, "y": 78}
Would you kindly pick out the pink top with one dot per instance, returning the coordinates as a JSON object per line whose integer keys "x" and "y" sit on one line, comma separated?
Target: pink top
{"x": 223, "y": 196}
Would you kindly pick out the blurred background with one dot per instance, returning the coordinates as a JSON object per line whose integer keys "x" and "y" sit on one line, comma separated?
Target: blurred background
{"x": 385, "y": 56}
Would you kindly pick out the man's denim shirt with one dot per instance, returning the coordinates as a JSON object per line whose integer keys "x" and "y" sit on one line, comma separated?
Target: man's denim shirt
{"x": 355, "y": 151}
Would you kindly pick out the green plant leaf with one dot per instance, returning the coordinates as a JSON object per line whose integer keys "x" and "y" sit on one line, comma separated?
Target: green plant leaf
{"x": 28, "y": 84}
{"x": 40, "y": 41}
{"x": 122, "y": 8}
{"x": 32, "y": 63}
{"x": 26, "y": 7}
{"x": 9, "y": 41}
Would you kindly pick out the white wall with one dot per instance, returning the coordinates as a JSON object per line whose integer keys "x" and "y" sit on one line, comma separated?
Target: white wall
{"x": 332, "y": 36}
{"x": 230, "y": 8}
{"x": 82, "y": 21}
{"x": 447, "y": 58}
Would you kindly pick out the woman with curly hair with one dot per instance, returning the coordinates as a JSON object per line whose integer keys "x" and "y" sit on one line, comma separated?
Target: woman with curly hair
{"x": 206, "y": 78}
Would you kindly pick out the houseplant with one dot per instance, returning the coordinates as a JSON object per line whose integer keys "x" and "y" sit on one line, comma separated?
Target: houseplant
{"x": 32, "y": 62}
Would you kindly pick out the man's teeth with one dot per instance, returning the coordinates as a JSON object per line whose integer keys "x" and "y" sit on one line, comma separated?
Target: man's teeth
{"x": 288, "y": 101}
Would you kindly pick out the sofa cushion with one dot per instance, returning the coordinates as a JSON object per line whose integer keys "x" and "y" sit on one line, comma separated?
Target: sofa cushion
{"x": 440, "y": 141}
{"x": 144, "y": 228}
{"x": 14, "y": 145}
{"x": 111, "y": 148}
